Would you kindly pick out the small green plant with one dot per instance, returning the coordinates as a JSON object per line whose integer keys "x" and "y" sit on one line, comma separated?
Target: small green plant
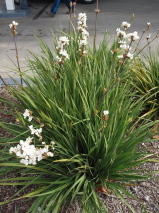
{"x": 83, "y": 114}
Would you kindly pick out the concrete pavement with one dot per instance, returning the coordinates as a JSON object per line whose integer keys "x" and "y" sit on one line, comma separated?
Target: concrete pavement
{"x": 112, "y": 13}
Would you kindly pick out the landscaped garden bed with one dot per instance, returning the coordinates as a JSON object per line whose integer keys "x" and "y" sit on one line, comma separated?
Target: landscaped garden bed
{"x": 80, "y": 134}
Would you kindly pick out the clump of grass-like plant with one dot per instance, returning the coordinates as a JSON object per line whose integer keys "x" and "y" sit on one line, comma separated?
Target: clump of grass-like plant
{"x": 84, "y": 123}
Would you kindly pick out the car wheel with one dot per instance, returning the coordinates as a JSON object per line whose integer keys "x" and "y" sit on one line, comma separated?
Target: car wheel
{"x": 88, "y": 1}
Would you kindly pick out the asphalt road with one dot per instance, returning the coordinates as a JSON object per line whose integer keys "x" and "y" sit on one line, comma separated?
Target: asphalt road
{"x": 112, "y": 13}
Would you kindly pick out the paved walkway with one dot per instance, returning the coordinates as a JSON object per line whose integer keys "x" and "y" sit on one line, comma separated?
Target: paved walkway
{"x": 113, "y": 12}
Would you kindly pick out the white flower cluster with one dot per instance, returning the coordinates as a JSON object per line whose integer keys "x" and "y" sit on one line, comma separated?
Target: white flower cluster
{"x": 27, "y": 151}
{"x": 28, "y": 114}
{"x": 13, "y": 24}
{"x": 63, "y": 41}
{"x": 125, "y": 37}
{"x": 13, "y": 27}
{"x": 84, "y": 33}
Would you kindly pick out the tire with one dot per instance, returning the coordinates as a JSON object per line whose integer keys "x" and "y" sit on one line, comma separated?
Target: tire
{"x": 88, "y": 1}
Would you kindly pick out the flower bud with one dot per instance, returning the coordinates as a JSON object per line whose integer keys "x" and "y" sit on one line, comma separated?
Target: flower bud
{"x": 118, "y": 79}
{"x": 97, "y": 10}
{"x": 148, "y": 25}
{"x": 105, "y": 90}
{"x": 133, "y": 15}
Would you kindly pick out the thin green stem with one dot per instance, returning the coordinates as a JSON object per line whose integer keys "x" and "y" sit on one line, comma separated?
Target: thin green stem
{"x": 95, "y": 34}
{"x": 149, "y": 43}
{"x": 104, "y": 94}
{"x": 95, "y": 29}
{"x": 140, "y": 40}
{"x": 17, "y": 57}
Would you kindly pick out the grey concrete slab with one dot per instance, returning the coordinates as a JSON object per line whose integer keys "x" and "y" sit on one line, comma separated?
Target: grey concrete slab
{"x": 112, "y": 13}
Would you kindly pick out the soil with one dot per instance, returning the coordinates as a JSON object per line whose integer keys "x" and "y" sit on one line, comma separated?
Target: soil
{"x": 147, "y": 193}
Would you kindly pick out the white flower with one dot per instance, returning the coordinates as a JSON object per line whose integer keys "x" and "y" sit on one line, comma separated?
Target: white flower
{"x": 28, "y": 114}
{"x": 85, "y": 52}
{"x": 148, "y": 23}
{"x": 83, "y": 42}
{"x": 125, "y": 47}
{"x": 50, "y": 154}
{"x": 82, "y": 17}
{"x": 126, "y": 55}
{"x": 120, "y": 33}
{"x": 148, "y": 36}
{"x": 29, "y": 140}
{"x": 133, "y": 36}
{"x": 32, "y": 129}
{"x": 12, "y": 150}
{"x": 112, "y": 52}
{"x": 125, "y": 24}
{"x": 121, "y": 56}
{"x": 13, "y": 24}
{"x": 80, "y": 28}
{"x": 129, "y": 55}
{"x": 52, "y": 143}
{"x": 85, "y": 34}
{"x": 24, "y": 161}
{"x": 64, "y": 40}
{"x": 106, "y": 112}
{"x": 35, "y": 131}
{"x": 122, "y": 42}
{"x": 60, "y": 45}
{"x": 58, "y": 58}
{"x": 64, "y": 53}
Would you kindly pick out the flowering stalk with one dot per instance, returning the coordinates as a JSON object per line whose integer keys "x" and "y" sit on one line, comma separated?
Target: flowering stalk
{"x": 144, "y": 31}
{"x": 82, "y": 41}
{"x": 95, "y": 29}
{"x": 70, "y": 12}
{"x": 83, "y": 33}
{"x": 74, "y": 12}
{"x": 123, "y": 37}
{"x": 63, "y": 41}
{"x": 13, "y": 27}
{"x": 148, "y": 43}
